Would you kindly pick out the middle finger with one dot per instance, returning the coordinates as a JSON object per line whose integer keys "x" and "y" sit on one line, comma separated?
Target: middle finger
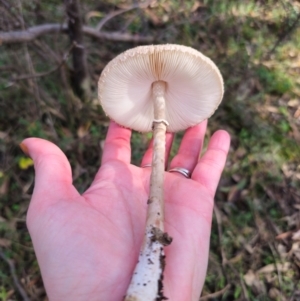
{"x": 190, "y": 148}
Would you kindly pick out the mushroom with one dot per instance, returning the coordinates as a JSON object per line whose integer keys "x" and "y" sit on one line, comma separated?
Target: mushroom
{"x": 159, "y": 88}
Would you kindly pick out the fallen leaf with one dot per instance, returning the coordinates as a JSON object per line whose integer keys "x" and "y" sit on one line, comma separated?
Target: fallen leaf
{"x": 233, "y": 193}
{"x": 272, "y": 109}
{"x": 4, "y": 242}
{"x": 282, "y": 250}
{"x": 296, "y": 235}
{"x": 297, "y": 113}
{"x": 25, "y": 163}
{"x": 196, "y": 5}
{"x": 270, "y": 268}
{"x": 93, "y": 14}
{"x": 3, "y": 135}
{"x": 274, "y": 293}
{"x": 284, "y": 235}
{"x": 250, "y": 278}
{"x": 4, "y": 186}
{"x": 294, "y": 102}
{"x": 83, "y": 130}
{"x": 101, "y": 144}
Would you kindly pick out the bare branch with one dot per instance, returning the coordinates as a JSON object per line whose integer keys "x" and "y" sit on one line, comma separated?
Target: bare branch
{"x": 8, "y": 7}
{"x": 121, "y": 11}
{"x": 287, "y": 32}
{"x": 115, "y": 36}
{"x": 216, "y": 294}
{"x": 81, "y": 78}
{"x": 65, "y": 57}
{"x": 21, "y": 36}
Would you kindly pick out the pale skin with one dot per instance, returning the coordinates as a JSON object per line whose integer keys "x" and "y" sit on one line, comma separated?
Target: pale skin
{"x": 87, "y": 245}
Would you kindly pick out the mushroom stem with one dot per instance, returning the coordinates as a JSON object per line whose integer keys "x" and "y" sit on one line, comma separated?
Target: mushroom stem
{"x": 146, "y": 283}
{"x": 155, "y": 215}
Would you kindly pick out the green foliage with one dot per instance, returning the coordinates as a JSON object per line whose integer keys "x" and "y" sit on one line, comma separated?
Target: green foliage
{"x": 257, "y": 50}
{"x": 274, "y": 81}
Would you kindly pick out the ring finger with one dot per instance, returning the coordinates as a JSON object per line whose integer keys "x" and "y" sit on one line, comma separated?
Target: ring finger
{"x": 189, "y": 150}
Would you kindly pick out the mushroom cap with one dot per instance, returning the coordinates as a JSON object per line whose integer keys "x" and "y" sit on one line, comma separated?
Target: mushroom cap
{"x": 194, "y": 86}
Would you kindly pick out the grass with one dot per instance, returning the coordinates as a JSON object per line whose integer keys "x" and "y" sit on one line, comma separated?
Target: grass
{"x": 255, "y": 44}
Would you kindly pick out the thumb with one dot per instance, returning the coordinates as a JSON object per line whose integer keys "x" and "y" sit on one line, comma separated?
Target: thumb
{"x": 53, "y": 175}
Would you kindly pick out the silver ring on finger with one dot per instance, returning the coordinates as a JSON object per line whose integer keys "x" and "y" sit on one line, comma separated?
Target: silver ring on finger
{"x": 183, "y": 171}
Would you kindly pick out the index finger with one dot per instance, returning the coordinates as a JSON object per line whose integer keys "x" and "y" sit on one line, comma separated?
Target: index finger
{"x": 117, "y": 144}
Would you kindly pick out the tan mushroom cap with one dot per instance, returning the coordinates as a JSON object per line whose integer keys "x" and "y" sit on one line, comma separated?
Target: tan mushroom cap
{"x": 194, "y": 86}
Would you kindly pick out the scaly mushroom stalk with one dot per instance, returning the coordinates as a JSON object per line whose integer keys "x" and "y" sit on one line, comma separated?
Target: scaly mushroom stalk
{"x": 146, "y": 283}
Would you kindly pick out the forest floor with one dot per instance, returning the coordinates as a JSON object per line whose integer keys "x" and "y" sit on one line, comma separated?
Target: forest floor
{"x": 255, "y": 243}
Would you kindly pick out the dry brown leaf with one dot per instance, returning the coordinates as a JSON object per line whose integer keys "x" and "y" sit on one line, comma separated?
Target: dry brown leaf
{"x": 154, "y": 19}
{"x": 270, "y": 268}
{"x": 93, "y": 14}
{"x": 296, "y": 235}
{"x": 101, "y": 144}
{"x": 272, "y": 109}
{"x": 83, "y": 130}
{"x": 297, "y": 254}
{"x": 4, "y": 187}
{"x": 233, "y": 193}
{"x": 196, "y": 5}
{"x": 252, "y": 280}
{"x": 66, "y": 132}
{"x": 3, "y": 135}
{"x": 56, "y": 113}
{"x": 4, "y": 242}
{"x": 282, "y": 250}
{"x": 297, "y": 113}
{"x": 295, "y": 247}
{"x": 9, "y": 294}
{"x": 284, "y": 235}
{"x": 240, "y": 152}
{"x": 236, "y": 259}
{"x": 294, "y": 103}
{"x": 274, "y": 293}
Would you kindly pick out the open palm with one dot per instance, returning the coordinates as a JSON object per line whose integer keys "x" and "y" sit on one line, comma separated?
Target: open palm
{"x": 87, "y": 245}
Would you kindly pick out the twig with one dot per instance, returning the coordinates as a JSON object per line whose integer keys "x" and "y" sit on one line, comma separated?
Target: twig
{"x": 219, "y": 223}
{"x": 216, "y": 294}
{"x": 35, "y": 75}
{"x": 33, "y": 82}
{"x": 294, "y": 291}
{"x": 115, "y": 36}
{"x": 8, "y": 8}
{"x": 283, "y": 36}
{"x": 121, "y": 11}
{"x": 277, "y": 269}
{"x": 32, "y": 33}
{"x": 14, "y": 276}
{"x": 225, "y": 261}
{"x": 81, "y": 78}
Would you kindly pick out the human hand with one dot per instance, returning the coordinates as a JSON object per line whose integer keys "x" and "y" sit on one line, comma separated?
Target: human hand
{"x": 87, "y": 245}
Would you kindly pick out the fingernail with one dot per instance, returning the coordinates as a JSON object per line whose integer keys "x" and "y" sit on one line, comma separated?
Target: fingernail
{"x": 24, "y": 149}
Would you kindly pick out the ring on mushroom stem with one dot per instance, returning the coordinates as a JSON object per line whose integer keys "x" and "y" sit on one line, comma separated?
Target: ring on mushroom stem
{"x": 161, "y": 120}
{"x": 158, "y": 88}
{"x": 183, "y": 171}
